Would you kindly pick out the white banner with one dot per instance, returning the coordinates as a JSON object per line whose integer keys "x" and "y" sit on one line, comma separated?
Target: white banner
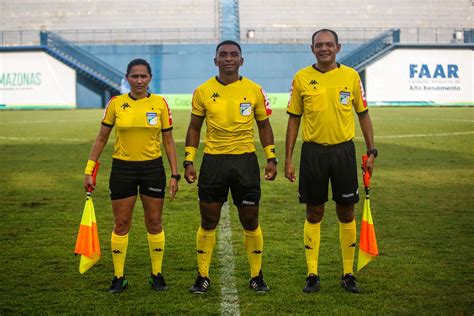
{"x": 35, "y": 80}
{"x": 422, "y": 77}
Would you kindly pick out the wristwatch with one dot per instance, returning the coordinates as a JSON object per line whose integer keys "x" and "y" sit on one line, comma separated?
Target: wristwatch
{"x": 373, "y": 152}
{"x": 187, "y": 163}
{"x": 176, "y": 176}
{"x": 274, "y": 160}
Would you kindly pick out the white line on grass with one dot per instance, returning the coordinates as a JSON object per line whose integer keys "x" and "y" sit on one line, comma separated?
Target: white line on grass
{"x": 44, "y": 121}
{"x": 424, "y": 135}
{"x": 75, "y": 140}
{"x": 46, "y": 139}
{"x": 230, "y": 297}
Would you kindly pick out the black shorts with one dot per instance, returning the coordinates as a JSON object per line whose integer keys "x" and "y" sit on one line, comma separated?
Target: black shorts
{"x": 319, "y": 164}
{"x": 127, "y": 176}
{"x": 239, "y": 173}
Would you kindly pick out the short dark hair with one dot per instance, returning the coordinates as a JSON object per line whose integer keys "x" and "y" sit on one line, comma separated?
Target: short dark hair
{"x": 229, "y": 42}
{"x": 136, "y": 62}
{"x": 325, "y": 30}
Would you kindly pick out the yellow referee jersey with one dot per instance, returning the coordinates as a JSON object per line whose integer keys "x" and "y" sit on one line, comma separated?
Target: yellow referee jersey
{"x": 325, "y": 100}
{"x": 230, "y": 111}
{"x": 138, "y": 124}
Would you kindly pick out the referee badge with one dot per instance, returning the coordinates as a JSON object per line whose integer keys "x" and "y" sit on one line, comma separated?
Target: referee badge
{"x": 152, "y": 118}
{"x": 344, "y": 97}
{"x": 245, "y": 109}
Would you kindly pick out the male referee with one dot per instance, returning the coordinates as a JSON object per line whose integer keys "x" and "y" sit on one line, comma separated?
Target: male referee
{"x": 229, "y": 103}
{"x": 325, "y": 95}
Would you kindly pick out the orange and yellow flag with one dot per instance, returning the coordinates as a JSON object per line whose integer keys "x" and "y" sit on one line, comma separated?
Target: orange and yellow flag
{"x": 368, "y": 243}
{"x": 87, "y": 244}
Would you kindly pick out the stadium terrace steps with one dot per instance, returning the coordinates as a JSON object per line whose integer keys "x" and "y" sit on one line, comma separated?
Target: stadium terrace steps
{"x": 363, "y": 13}
{"x": 88, "y": 65}
{"x": 107, "y": 14}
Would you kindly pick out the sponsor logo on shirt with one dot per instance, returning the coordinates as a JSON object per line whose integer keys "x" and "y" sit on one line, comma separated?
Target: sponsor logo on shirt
{"x": 152, "y": 118}
{"x": 125, "y": 105}
{"x": 344, "y": 97}
{"x": 245, "y": 109}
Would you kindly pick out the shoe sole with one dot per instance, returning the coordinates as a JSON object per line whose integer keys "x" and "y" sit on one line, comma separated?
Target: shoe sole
{"x": 160, "y": 289}
{"x": 197, "y": 292}
{"x": 311, "y": 290}
{"x": 118, "y": 292}
{"x": 355, "y": 291}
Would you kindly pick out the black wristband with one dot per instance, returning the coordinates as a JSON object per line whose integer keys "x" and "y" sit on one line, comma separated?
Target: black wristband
{"x": 373, "y": 152}
{"x": 176, "y": 176}
{"x": 187, "y": 163}
{"x": 274, "y": 160}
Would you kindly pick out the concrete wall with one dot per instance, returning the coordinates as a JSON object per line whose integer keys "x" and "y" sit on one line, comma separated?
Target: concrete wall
{"x": 181, "y": 68}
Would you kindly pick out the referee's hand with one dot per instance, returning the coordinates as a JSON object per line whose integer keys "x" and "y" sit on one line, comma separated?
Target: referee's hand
{"x": 290, "y": 171}
{"x": 190, "y": 174}
{"x": 270, "y": 171}
{"x": 89, "y": 182}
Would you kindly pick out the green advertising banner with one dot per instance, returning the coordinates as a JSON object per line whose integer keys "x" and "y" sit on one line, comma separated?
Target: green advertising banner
{"x": 183, "y": 101}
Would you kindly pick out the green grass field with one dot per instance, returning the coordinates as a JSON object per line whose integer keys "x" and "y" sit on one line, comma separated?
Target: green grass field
{"x": 422, "y": 203}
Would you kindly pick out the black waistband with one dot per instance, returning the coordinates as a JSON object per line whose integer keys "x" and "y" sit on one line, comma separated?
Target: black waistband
{"x": 328, "y": 145}
{"x": 229, "y": 156}
{"x": 132, "y": 164}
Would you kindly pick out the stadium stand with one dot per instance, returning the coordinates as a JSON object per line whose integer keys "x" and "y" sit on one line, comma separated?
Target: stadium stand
{"x": 106, "y": 14}
{"x": 428, "y": 21}
{"x": 178, "y": 37}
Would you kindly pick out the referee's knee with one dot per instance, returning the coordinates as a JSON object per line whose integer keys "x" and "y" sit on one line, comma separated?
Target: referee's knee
{"x": 121, "y": 227}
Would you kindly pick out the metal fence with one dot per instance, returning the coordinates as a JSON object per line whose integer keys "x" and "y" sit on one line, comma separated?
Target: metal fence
{"x": 357, "y": 35}
{"x": 116, "y": 36}
{"x": 274, "y": 35}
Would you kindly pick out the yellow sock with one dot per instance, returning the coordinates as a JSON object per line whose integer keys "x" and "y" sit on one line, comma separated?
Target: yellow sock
{"x": 156, "y": 243}
{"x": 347, "y": 237}
{"x": 205, "y": 241}
{"x": 119, "y": 252}
{"x": 253, "y": 243}
{"x": 312, "y": 239}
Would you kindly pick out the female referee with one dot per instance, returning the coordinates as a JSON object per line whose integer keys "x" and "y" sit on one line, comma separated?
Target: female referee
{"x": 137, "y": 167}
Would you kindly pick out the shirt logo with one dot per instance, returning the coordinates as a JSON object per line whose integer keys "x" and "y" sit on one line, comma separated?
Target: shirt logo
{"x": 215, "y": 95}
{"x": 152, "y": 118}
{"x": 312, "y": 82}
{"x": 245, "y": 109}
{"x": 344, "y": 97}
{"x": 125, "y": 105}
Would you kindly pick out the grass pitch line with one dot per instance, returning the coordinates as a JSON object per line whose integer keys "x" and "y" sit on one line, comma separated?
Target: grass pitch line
{"x": 46, "y": 140}
{"x": 79, "y": 140}
{"x": 229, "y": 294}
{"x": 425, "y": 135}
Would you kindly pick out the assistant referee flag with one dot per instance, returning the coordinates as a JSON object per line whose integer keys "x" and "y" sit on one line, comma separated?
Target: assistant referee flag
{"x": 368, "y": 249}
{"x": 87, "y": 243}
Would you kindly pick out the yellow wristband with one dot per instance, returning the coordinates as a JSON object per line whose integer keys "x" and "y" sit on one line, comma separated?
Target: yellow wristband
{"x": 90, "y": 167}
{"x": 189, "y": 153}
{"x": 269, "y": 151}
